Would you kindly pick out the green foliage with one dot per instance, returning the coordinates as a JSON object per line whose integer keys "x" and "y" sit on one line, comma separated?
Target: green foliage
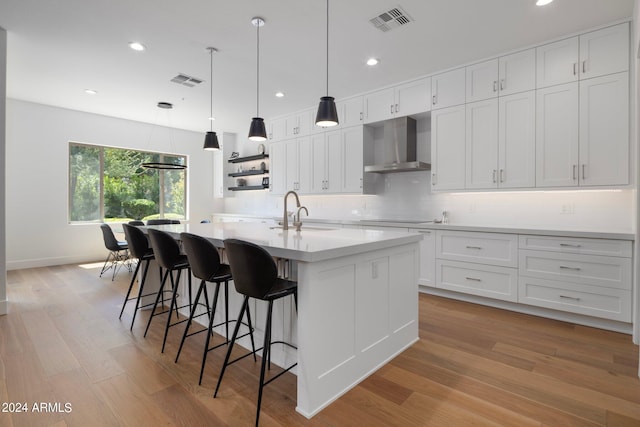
{"x": 139, "y": 208}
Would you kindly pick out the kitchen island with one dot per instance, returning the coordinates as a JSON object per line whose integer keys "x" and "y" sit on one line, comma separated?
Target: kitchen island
{"x": 357, "y": 301}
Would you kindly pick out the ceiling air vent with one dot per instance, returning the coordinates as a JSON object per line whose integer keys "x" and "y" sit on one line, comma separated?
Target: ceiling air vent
{"x": 391, "y": 19}
{"x": 185, "y": 80}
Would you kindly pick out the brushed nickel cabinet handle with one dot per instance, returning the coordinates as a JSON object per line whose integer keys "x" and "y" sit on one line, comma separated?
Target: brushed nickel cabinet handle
{"x": 569, "y": 245}
{"x": 494, "y": 176}
{"x": 502, "y": 84}
{"x": 568, "y": 297}
{"x": 473, "y": 279}
{"x": 474, "y": 247}
{"x": 573, "y": 174}
{"x": 433, "y": 99}
{"x": 584, "y": 66}
{"x": 584, "y": 174}
{"x": 564, "y": 267}
{"x": 575, "y": 68}
{"x": 495, "y": 85}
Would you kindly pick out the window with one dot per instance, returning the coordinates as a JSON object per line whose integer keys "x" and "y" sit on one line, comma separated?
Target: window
{"x": 109, "y": 184}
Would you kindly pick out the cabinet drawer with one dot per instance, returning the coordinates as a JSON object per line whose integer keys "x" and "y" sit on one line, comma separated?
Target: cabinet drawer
{"x": 476, "y": 279}
{"x": 608, "y": 303}
{"x": 578, "y": 245}
{"x": 610, "y": 272}
{"x": 485, "y": 248}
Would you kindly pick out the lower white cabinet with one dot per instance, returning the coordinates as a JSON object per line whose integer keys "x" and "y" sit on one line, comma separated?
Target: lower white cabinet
{"x": 427, "y": 271}
{"x": 585, "y": 276}
{"x": 478, "y": 279}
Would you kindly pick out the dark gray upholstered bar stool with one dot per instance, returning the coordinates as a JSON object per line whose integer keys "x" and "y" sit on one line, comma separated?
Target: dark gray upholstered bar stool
{"x": 159, "y": 221}
{"x": 138, "y": 248}
{"x": 168, "y": 256}
{"x": 118, "y": 251}
{"x": 205, "y": 265}
{"x": 137, "y": 223}
{"x": 255, "y": 275}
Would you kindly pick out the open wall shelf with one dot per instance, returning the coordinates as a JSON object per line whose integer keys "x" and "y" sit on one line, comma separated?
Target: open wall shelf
{"x": 248, "y": 173}
{"x": 248, "y": 158}
{"x": 248, "y": 187}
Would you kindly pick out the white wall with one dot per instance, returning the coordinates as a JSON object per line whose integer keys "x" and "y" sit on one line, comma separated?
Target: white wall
{"x": 38, "y": 232}
{"x": 3, "y": 98}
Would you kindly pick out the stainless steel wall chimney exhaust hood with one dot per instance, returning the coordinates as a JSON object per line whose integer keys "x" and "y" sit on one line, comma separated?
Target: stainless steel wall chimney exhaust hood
{"x": 401, "y": 133}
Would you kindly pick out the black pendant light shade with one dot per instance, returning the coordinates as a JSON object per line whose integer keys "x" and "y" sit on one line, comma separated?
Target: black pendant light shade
{"x": 211, "y": 141}
{"x": 327, "y": 112}
{"x": 257, "y": 131}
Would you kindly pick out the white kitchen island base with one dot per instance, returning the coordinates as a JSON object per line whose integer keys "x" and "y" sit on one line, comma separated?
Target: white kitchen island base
{"x": 357, "y": 302}
{"x": 354, "y": 315}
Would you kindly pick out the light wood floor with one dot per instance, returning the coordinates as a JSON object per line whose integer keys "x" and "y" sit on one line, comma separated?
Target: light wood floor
{"x": 62, "y": 343}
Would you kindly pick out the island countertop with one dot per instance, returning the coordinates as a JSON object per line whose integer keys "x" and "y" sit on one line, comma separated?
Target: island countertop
{"x": 311, "y": 244}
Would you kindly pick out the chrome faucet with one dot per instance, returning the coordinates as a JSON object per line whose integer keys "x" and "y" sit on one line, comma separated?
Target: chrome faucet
{"x": 296, "y": 220}
{"x": 285, "y": 216}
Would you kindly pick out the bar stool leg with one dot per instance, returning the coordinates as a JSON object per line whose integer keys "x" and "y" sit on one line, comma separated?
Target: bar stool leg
{"x": 174, "y": 296}
{"x": 160, "y": 293}
{"x": 245, "y": 304}
{"x": 209, "y": 332}
{"x": 266, "y": 350}
{"x": 191, "y": 314}
{"x": 144, "y": 277}
{"x": 133, "y": 279}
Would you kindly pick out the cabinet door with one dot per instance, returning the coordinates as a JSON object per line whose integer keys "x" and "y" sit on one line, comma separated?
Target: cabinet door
{"x": 278, "y": 129}
{"x": 379, "y": 105}
{"x": 352, "y": 159}
{"x": 557, "y": 63}
{"x": 604, "y": 130}
{"x": 517, "y": 72}
{"x": 604, "y": 51}
{"x": 218, "y": 174}
{"x": 427, "y": 274}
{"x": 557, "y": 136}
{"x": 277, "y": 168}
{"x": 333, "y": 179}
{"x": 318, "y": 162}
{"x": 413, "y": 97}
{"x": 304, "y": 164}
{"x": 447, "y": 148}
{"x": 350, "y": 111}
{"x": 482, "y": 81}
{"x": 517, "y": 140}
{"x": 448, "y": 89}
{"x": 306, "y": 122}
{"x": 291, "y": 164}
{"x": 482, "y": 144}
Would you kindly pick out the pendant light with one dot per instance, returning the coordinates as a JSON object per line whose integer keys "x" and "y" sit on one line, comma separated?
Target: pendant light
{"x": 211, "y": 139}
{"x": 327, "y": 112}
{"x": 164, "y": 165}
{"x": 257, "y": 131}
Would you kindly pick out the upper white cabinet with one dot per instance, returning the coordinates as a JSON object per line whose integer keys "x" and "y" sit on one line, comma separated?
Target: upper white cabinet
{"x": 517, "y": 140}
{"x": 218, "y": 174}
{"x": 403, "y": 100}
{"x": 277, "y": 129}
{"x": 350, "y": 111}
{"x": 448, "y": 89}
{"x": 593, "y": 54}
{"x": 448, "y": 148}
{"x": 604, "y": 130}
{"x": 326, "y": 162}
{"x": 503, "y": 76}
{"x": 298, "y": 164}
{"x": 277, "y": 167}
{"x": 352, "y": 145}
{"x": 292, "y": 126}
{"x": 482, "y": 144}
{"x": 583, "y": 133}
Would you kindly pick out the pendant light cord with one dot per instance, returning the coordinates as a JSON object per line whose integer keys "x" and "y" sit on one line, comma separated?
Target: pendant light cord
{"x": 258, "y": 70}
{"x": 327, "y": 47}
{"x": 211, "y": 115}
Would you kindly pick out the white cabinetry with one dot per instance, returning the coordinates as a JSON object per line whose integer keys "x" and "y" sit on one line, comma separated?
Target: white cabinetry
{"x": 482, "y": 144}
{"x": 352, "y": 145}
{"x": 218, "y": 174}
{"x": 350, "y": 111}
{"x": 277, "y": 129}
{"x": 592, "y": 54}
{"x": 300, "y": 124}
{"x": 427, "y": 271}
{"x": 326, "y": 162}
{"x": 448, "y": 148}
{"x": 584, "y": 276}
{"x": 517, "y": 72}
{"x": 482, "y": 264}
{"x": 448, "y": 89}
{"x": 403, "y": 100}
{"x": 298, "y": 164}
{"x": 585, "y": 145}
{"x": 482, "y": 81}
{"x": 277, "y": 167}
{"x": 517, "y": 140}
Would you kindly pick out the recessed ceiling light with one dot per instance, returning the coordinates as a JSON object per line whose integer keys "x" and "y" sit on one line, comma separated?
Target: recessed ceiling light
{"x": 90, "y": 91}
{"x": 137, "y": 46}
{"x": 543, "y": 2}
{"x": 372, "y": 61}
{"x": 279, "y": 94}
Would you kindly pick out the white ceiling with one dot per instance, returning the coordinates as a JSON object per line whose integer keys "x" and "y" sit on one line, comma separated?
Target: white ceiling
{"x": 58, "y": 48}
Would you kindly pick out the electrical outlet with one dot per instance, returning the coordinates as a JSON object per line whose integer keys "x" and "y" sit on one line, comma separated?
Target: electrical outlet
{"x": 568, "y": 209}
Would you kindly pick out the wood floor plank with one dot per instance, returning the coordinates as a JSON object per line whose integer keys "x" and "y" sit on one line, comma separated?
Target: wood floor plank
{"x": 143, "y": 371}
{"x": 180, "y": 408}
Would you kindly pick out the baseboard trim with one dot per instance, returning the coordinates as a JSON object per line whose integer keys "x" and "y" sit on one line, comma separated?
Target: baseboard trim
{"x": 48, "y": 262}
{"x": 4, "y": 307}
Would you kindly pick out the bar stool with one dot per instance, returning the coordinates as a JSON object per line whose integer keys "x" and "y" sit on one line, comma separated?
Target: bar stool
{"x": 255, "y": 275}
{"x": 205, "y": 265}
{"x": 168, "y": 256}
{"x": 138, "y": 248}
{"x": 118, "y": 252}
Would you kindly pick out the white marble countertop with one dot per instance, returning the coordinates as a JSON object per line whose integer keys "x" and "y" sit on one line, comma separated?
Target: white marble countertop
{"x": 309, "y": 245}
{"x": 612, "y": 232}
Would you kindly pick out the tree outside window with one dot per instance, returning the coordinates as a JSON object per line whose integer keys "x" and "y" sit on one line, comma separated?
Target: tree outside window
{"x": 109, "y": 184}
